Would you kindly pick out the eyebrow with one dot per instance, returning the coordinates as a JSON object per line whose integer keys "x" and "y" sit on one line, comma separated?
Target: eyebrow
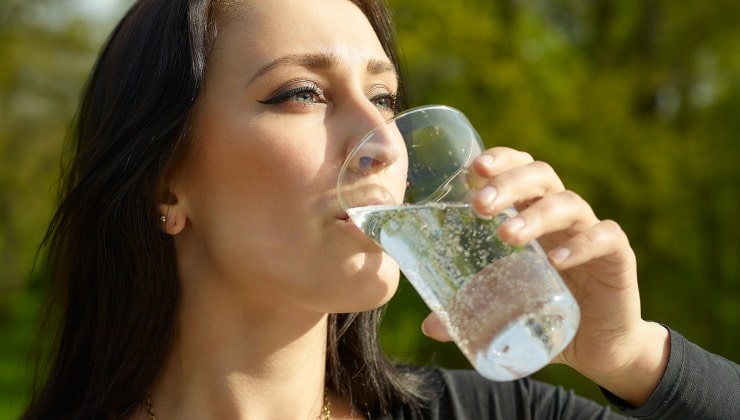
{"x": 319, "y": 61}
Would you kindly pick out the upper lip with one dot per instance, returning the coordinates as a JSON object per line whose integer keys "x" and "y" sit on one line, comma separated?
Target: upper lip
{"x": 370, "y": 201}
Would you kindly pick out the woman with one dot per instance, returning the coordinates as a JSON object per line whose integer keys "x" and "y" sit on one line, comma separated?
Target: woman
{"x": 205, "y": 269}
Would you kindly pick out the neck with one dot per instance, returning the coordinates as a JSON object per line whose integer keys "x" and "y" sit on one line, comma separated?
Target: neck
{"x": 228, "y": 362}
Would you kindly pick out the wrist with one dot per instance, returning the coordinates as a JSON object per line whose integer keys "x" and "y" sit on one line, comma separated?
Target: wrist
{"x": 636, "y": 381}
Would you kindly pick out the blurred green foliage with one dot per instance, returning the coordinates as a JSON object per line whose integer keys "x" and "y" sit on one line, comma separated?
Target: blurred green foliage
{"x": 46, "y": 52}
{"x": 633, "y": 102}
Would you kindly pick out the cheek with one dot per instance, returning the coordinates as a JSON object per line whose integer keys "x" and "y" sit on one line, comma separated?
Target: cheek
{"x": 250, "y": 197}
{"x": 251, "y": 168}
{"x": 262, "y": 157}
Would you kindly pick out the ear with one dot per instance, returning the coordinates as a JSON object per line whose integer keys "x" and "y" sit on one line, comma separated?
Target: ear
{"x": 172, "y": 215}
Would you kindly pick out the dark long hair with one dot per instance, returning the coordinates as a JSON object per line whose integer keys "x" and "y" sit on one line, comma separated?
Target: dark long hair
{"x": 112, "y": 270}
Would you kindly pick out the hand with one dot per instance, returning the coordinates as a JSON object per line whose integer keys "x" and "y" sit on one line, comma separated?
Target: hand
{"x": 595, "y": 259}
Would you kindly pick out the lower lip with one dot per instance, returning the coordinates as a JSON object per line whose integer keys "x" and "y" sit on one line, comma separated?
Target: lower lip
{"x": 354, "y": 230}
{"x": 350, "y": 225}
{"x": 349, "y": 222}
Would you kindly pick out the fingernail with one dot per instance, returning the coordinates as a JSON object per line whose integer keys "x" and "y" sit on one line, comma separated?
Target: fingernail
{"x": 486, "y": 160}
{"x": 515, "y": 224}
{"x": 487, "y": 195}
{"x": 560, "y": 254}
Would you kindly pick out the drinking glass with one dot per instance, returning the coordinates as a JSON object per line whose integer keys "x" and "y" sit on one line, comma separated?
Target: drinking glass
{"x": 407, "y": 185}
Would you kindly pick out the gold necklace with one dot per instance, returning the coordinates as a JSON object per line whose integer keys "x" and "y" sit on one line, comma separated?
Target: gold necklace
{"x": 325, "y": 411}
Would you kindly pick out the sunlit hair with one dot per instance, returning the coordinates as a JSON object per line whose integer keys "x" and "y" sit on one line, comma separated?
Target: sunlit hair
{"x": 111, "y": 270}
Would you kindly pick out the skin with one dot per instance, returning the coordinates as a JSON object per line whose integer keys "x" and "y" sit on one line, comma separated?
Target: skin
{"x": 614, "y": 345}
{"x": 264, "y": 250}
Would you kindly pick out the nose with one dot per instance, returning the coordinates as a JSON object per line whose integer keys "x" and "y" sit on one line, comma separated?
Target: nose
{"x": 375, "y": 142}
{"x": 377, "y": 150}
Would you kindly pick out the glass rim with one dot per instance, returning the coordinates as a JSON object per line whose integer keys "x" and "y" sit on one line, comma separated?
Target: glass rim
{"x": 450, "y": 113}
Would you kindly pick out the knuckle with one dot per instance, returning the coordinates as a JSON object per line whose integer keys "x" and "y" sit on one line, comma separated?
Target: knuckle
{"x": 525, "y": 156}
{"x": 607, "y": 233}
{"x": 542, "y": 165}
{"x": 499, "y": 151}
{"x": 612, "y": 228}
{"x": 573, "y": 196}
{"x": 574, "y": 201}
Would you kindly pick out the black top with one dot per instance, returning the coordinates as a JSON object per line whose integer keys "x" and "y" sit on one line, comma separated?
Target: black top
{"x": 696, "y": 385}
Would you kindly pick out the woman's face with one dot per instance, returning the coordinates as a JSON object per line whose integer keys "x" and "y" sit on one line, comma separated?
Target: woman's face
{"x": 291, "y": 85}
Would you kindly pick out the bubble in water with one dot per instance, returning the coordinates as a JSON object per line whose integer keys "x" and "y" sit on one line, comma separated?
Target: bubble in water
{"x": 509, "y": 318}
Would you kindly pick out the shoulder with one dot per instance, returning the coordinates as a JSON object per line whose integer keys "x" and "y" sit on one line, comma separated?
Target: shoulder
{"x": 459, "y": 394}
{"x": 464, "y": 394}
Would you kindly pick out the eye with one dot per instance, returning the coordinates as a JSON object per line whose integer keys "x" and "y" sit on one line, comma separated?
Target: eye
{"x": 385, "y": 101}
{"x": 305, "y": 94}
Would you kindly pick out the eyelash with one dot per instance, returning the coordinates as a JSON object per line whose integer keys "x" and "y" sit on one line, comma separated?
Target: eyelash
{"x": 392, "y": 99}
{"x": 285, "y": 96}
{"x": 282, "y": 97}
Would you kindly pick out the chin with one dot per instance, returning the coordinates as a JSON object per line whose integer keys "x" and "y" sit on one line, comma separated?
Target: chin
{"x": 384, "y": 296}
{"x": 372, "y": 288}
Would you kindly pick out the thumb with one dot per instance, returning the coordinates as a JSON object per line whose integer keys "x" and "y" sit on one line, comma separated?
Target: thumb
{"x": 432, "y": 327}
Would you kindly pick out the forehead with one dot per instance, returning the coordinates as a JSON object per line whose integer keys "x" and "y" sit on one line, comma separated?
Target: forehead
{"x": 272, "y": 28}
